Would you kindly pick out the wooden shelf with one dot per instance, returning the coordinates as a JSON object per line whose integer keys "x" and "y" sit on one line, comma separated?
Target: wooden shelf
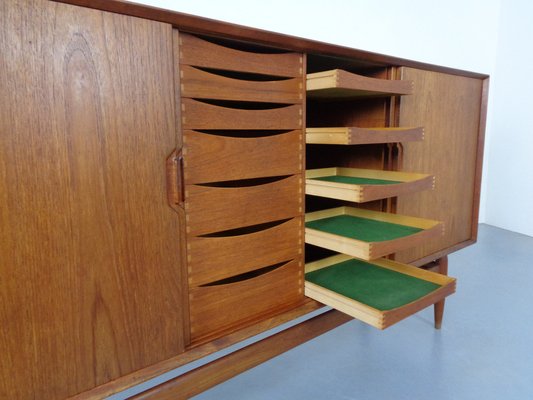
{"x": 341, "y": 84}
{"x": 367, "y": 234}
{"x": 379, "y": 293}
{"x": 354, "y": 135}
{"x": 361, "y": 185}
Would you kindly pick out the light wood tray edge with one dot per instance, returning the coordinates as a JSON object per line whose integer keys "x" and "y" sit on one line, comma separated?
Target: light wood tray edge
{"x": 360, "y": 193}
{"x": 356, "y": 136}
{"x": 368, "y": 314}
{"x": 370, "y": 250}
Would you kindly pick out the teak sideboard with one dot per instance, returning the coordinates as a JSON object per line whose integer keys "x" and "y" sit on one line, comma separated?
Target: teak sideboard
{"x": 172, "y": 185}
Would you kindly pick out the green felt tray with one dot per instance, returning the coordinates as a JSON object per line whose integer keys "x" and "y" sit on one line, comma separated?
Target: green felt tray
{"x": 377, "y": 287}
{"x": 364, "y": 229}
{"x": 355, "y": 180}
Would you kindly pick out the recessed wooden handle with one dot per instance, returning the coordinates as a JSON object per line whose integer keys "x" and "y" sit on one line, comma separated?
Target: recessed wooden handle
{"x": 175, "y": 180}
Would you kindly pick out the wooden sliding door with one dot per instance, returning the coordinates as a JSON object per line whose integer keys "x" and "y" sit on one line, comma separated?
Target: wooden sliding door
{"x": 90, "y": 285}
{"x": 449, "y": 109}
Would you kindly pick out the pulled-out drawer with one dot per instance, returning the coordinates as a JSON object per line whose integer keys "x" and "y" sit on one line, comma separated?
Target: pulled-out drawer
{"x": 367, "y": 234}
{"x": 380, "y": 293}
{"x": 362, "y": 185}
{"x": 337, "y": 84}
{"x": 356, "y": 135}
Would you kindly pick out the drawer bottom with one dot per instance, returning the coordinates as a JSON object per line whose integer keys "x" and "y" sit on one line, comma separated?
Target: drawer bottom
{"x": 380, "y": 293}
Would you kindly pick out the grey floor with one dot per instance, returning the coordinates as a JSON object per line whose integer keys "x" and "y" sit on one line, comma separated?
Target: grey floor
{"x": 484, "y": 350}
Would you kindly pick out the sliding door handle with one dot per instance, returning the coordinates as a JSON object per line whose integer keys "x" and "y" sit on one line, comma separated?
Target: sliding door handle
{"x": 175, "y": 179}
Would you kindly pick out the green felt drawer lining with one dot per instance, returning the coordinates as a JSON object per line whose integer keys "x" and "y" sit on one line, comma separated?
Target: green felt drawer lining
{"x": 370, "y": 284}
{"x": 364, "y": 229}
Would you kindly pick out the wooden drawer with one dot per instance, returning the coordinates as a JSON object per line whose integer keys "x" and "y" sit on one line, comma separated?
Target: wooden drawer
{"x": 202, "y": 53}
{"x": 367, "y": 234}
{"x": 356, "y": 135}
{"x": 212, "y": 209}
{"x": 217, "y": 307}
{"x": 379, "y": 293}
{"x": 212, "y": 158}
{"x": 199, "y": 84}
{"x": 214, "y": 258}
{"x": 339, "y": 84}
{"x": 362, "y": 185}
{"x": 199, "y": 115}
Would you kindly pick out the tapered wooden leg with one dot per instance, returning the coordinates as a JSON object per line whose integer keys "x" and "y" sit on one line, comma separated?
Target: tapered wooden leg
{"x": 439, "y": 306}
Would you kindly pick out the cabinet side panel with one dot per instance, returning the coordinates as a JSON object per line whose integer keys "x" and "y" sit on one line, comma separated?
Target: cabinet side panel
{"x": 448, "y": 107}
{"x": 90, "y": 257}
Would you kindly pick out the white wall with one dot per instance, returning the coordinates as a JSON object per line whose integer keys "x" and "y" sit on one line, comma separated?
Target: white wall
{"x": 509, "y": 183}
{"x": 456, "y": 33}
{"x": 488, "y": 36}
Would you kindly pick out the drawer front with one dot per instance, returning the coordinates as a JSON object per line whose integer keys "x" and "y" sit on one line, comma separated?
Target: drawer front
{"x": 201, "y": 53}
{"x": 214, "y": 209}
{"x": 221, "y": 306}
{"x": 200, "y": 115}
{"x": 212, "y": 158}
{"x": 214, "y": 258}
{"x": 241, "y": 171}
{"x": 199, "y": 84}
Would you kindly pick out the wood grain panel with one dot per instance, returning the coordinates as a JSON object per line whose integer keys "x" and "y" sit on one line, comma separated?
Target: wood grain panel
{"x": 448, "y": 107}
{"x": 200, "y": 115}
{"x": 212, "y": 209}
{"x": 89, "y": 277}
{"x": 201, "y": 53}
{"x": 337, "y": 84}
{"x": 201, "y": 350}
{"x": 199, "y": 84}
{"x": 215, "y": 308}
{"x": 212, "y": 158}
{"x": 215, "y": 258}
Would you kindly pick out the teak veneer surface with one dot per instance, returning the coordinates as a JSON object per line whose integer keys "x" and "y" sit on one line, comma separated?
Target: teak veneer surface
{"x": 197, "y": 114}
{"x": 449, "y": 108}
{"x": 214, "y": 158}
{"x": 218, "y": 306}
{"x": 90, "y": 285}
{"x": 199, "y": 84}
{"x": 215, "y": 258}
{"x": 91, "y": 108}
{"x": 203, "y": 53}
{"x": 213, "y": 209}
{"x": 242, "y": 172}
